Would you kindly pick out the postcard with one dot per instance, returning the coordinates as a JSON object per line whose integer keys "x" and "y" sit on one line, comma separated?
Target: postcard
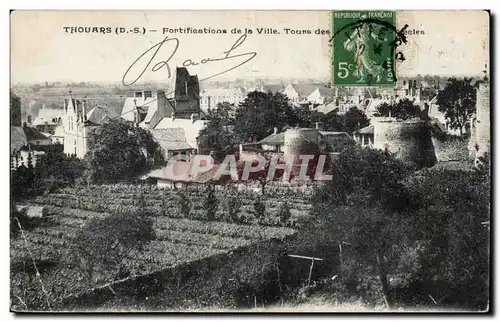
{"x": 250, "y": 161}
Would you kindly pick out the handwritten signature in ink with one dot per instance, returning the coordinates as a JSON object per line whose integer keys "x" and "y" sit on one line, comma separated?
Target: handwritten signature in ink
{"x": 143, "y": 63}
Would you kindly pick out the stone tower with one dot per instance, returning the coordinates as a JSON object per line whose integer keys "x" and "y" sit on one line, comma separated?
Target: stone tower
{"x": 481, "y": 129}
{"x": 409, "y": 140}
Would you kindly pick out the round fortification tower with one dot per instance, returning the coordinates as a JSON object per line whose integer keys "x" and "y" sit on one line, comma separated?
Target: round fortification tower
{"x": 409, "y": 140}
{"x": 301, "y": 141}
{"x": 482, "y": 125}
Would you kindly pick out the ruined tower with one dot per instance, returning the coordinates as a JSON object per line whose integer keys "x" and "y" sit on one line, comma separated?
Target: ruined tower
{"x": 481, "y": 130}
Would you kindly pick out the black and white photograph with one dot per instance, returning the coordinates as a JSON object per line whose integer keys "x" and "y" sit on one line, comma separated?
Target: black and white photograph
{"x": 250, "y": 161}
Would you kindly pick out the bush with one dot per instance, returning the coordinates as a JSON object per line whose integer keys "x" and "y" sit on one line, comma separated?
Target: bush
{"x": 259, "y": 209}
{"x": 284, "y": 213}
{"x": 210, "y": 203}
{"x": 183, "y": 204}
{"x": 104, "y": 244}
{"x": 231, "y": 206}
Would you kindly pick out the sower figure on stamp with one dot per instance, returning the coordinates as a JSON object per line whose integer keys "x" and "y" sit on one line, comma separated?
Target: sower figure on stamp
{"x": 359, "y": 42}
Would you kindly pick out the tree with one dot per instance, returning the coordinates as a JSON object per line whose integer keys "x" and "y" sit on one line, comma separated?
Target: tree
{"x": 427, "y": 230}
{"x": 119, "y": 151}
{"x": 215, "y": 135}
{"x": 354, "y": 119}
{"x": 30, "y": 160}
{"x": 307, "y": 117}
{"x": 366, "y": 205}
{"x": 260, "y": 113}
{"x": 404, "y": 109}
{"x": 458, "y": 102}
{"x": 22, "y": 183}
{"x": 15, "y": 110}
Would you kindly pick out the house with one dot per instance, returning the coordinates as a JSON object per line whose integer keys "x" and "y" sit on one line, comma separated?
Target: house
{"x": 79, "y": 122}
{"x": 58, "y": 136}
{"x": 35, "y": 137}
{"x": 24, "y": 141}
{"x": 48, "y": 119}
{"x": 23, "y": 156}
{"x": 136, "y": 108}
{"x": 191, "y": 127}
{"x": 273, "y": 142}
{"x": 210, "y": 97}
{"x": 173, "y": 142}
{"x": 330, "y": 108}
{"x": 299, "y": 93}
{"x": 364, "y": 136}
{"x": 179, "y": 174}
{"x": 181, "y": 102}
{"x": 321, "y": 95}
{"x": 18, "y": 138}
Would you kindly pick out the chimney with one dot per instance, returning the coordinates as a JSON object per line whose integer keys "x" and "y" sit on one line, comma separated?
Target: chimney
{"x": 194, "y": 117}
{"x": 136, "y": 119}
{"x": 275, "y": 130}
{"x": 319, "y": 126}
{"x": 137, "y": 94}
{"x": 162, "y": 104}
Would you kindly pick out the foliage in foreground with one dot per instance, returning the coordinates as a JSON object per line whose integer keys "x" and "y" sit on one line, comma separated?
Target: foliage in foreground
{"x": 423, "y": 235}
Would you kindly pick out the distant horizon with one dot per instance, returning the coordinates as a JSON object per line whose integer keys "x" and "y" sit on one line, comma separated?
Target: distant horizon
{"x": 267, "y": 80}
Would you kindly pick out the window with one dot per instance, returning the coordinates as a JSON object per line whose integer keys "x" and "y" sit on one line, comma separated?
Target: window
{"x": 37, "y": 142}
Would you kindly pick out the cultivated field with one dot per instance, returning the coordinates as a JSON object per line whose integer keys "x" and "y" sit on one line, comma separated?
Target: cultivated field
{"x": 181, "y": 237}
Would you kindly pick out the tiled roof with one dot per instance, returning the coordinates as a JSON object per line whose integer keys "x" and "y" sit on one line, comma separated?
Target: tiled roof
{"x": 374, "y": 104}
{"x": 366, "y": 130}
{"x": 180, "y": 171}
{"x": 325, "y": 109}
{"x": 191, "y": 128}
{"x": 33, "y": 134}
{"x": 278, "y": 138}
{"x": 326, "y": 91}
{"x": 96, "y": 115}
{"x": 129, "y": 106}
{"x": 305, "y": 90}
{"x": 18, "y": 138}
{"x": 46, "y": 115}
{"x": 171, "y": 139}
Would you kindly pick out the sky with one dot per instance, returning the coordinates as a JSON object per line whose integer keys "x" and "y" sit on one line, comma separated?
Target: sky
{"x": 453, "y": 43}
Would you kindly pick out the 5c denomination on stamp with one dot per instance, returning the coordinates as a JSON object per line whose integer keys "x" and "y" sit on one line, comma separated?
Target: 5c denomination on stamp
{"x": 363, "y": 48}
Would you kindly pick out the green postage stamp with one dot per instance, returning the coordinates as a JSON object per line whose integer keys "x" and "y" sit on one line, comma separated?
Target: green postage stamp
{"x": 363, "y": 48}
